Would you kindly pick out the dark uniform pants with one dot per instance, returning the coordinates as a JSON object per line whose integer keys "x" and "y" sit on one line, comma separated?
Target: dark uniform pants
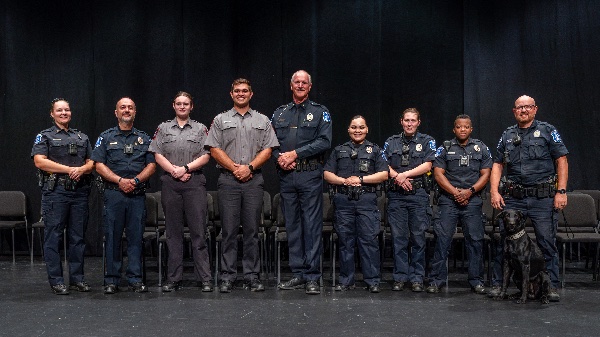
{"x": 409, "y": 219}
{"x": 123, "y": 213}
{"x": 64, "y": 209}
{"x": 240, "y": 204}
{"x": 358, "y": 221}
{"x": 302, "y": 204}
{"x": 185, "y": 202}
{"x": 545, "y": 223}
{"x": 470, "y": 217}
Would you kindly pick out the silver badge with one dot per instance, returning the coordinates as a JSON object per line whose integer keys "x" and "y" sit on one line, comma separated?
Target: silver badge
{"x": 476, "y": 147}
{"x": 369, "y": 149}
{"x": 309, "y": 117}
{"x": 140, "y": 140}
{"x": 419, "y": 147}
{"x": 536, "y": 133}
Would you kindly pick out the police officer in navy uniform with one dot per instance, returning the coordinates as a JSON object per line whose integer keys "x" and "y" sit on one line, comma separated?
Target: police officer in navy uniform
{"x": 303, "y": 129}
{"x": 62, "y": 155}
{"x": 461, "y": 169}
{"x": 354, "y": 170}
{"x": 536, "y": 180}
{"x": 241, "y": 141}
{"x": 178, "y": 147}
{"x": 409, "y": 156}
{"x": 124, "y": 162}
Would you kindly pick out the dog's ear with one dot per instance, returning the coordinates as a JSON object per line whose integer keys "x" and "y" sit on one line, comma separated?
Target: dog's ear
{"x": 522, "y": 218}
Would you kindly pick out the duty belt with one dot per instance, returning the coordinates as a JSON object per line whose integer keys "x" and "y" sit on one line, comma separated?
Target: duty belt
{"x": 392, "y": 186}
{"x": 353, "y": 192}
{"x": 540, "y": 191}
{"x": 139, "y": 189}
{"x": 64, "y": 180}
{"x": 308, "y": 164}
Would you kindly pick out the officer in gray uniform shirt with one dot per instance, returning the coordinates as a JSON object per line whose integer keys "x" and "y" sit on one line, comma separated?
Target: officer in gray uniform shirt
{"x": 178, "y": 147}
{"x": 241, "y": 141}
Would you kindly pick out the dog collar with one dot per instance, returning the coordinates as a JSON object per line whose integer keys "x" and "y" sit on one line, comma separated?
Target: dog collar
{"x": 517, "y": 235}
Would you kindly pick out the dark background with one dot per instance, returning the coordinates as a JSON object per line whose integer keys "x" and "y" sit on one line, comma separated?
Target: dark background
{"x": 369, "y": 57}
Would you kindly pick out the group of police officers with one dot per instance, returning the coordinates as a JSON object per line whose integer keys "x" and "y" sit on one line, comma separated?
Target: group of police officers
{"x": 241, "y": 140}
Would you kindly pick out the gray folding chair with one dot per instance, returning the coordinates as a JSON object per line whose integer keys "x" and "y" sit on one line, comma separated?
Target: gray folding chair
{"x": 13, "y": 214}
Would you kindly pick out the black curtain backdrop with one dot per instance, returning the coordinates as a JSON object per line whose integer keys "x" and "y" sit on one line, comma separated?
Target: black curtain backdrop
{"x": 369, "y": 57}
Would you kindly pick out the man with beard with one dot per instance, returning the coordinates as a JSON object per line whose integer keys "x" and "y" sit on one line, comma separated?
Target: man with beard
{"x": 122, "y": 159}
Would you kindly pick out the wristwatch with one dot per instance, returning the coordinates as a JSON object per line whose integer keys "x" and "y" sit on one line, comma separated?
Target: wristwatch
{"x": 251, "y": 168}
{"x": 187, "y": 168}
{"x": 361, "y": 179}
{"x": 562, "y": 191}
{"x": 137, "y": 181}
{"x": 472, "y": 189}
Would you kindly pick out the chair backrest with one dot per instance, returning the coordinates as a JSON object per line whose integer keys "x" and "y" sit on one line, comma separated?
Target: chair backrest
{"x": 327, "y": 209}
{"x": 266, "y": 219}
{"x": 151, "y": 210}
{"x": 580, "y": 211}
{"x": 210, "y": 209}
{"x": 215, "y": 198}
{"x": 595, "y": 194}
{"x": 13, "y": 204}
{"x": 277, "y": 211}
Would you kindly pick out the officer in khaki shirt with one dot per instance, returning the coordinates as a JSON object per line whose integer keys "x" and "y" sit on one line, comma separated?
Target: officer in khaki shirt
{"x": 241, "y": 141}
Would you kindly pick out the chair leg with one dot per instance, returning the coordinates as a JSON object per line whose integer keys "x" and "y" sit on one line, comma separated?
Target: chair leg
{"x": 13, "y": 245}
{"x": 278, "y": 262}
{"x": 160, "y": 264}
{"x": 217, "y": 255}
{"x": 564, "y": 265}
{"x": 103, "y": 262}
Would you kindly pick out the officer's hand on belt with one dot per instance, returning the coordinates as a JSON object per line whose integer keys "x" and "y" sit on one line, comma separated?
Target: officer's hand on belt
{"x": 407, "y": 185}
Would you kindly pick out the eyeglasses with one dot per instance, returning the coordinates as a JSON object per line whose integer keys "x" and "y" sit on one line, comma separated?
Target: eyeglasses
{"x": 526, "y": 107}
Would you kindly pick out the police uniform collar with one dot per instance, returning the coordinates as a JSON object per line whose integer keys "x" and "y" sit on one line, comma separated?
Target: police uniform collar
{"x": 414, "y": 137}
{"x": 365, "y": 143}
{"x": 134, "y": 131}
{"x": 232, "y": 112}
{"x": 56, "y": 129}
{"x": 454, "y": 141}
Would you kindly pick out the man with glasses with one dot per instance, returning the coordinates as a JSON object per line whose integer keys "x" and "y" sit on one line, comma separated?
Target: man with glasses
{"x": 535, "y": 184}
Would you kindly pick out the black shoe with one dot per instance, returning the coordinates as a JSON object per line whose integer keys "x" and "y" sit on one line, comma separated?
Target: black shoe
{"x": 60, "y": 289}
{"x": 111, "y": 289}
{"x": 343, "y": 287}
{"x": 254, "y": 285}
{"x": 417, "y": 287}
{"x": 170, "y": 286}
{"x": 433, "y": 289}
{"x": 226, "y": 286}
{"x": 494, "y": 292}
{"x": 293, "y": 283}
{"x": 312, "y": 288}
{"x": 138, "y": 287}
{"x": 80, "y": 286}
{"x": 398, "y": 286}
{"x": 374, "y": 288}
{"x": 205, "y": 286}
{"x": 479, "y": 289}
{"x": 553, "y": 295}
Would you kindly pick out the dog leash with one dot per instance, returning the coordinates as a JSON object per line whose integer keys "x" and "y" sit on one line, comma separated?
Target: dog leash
{"x": 567, "y": 227}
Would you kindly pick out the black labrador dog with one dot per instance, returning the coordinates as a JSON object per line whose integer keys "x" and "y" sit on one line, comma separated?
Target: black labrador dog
{"x": 523, "y": 260}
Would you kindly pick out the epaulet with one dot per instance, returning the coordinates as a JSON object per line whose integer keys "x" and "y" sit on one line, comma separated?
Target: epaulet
{"x": 396, "y": 136}
{"x": 318, "y": 105}
{"x": 74, "y": 130}
{"x": 47, "y": 130}
{"x": 141, "y": 132}
{"x": 511, "y": 127}
{"x": 108, "y": 130}
{"x": 284, "y": 106}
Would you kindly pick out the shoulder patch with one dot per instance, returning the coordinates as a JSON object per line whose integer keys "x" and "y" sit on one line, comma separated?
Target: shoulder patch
{"x": 439, "y": 150}
{"x": 326, "y": 116}
{"x": 38, "y": 139}
{"x": 432, "y": 144}
{"x": 556, "y": 136}
{"x": 98, "y": 142}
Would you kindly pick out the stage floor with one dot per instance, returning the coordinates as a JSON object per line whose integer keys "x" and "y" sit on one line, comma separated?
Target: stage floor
{"x": 30, "y": 309}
